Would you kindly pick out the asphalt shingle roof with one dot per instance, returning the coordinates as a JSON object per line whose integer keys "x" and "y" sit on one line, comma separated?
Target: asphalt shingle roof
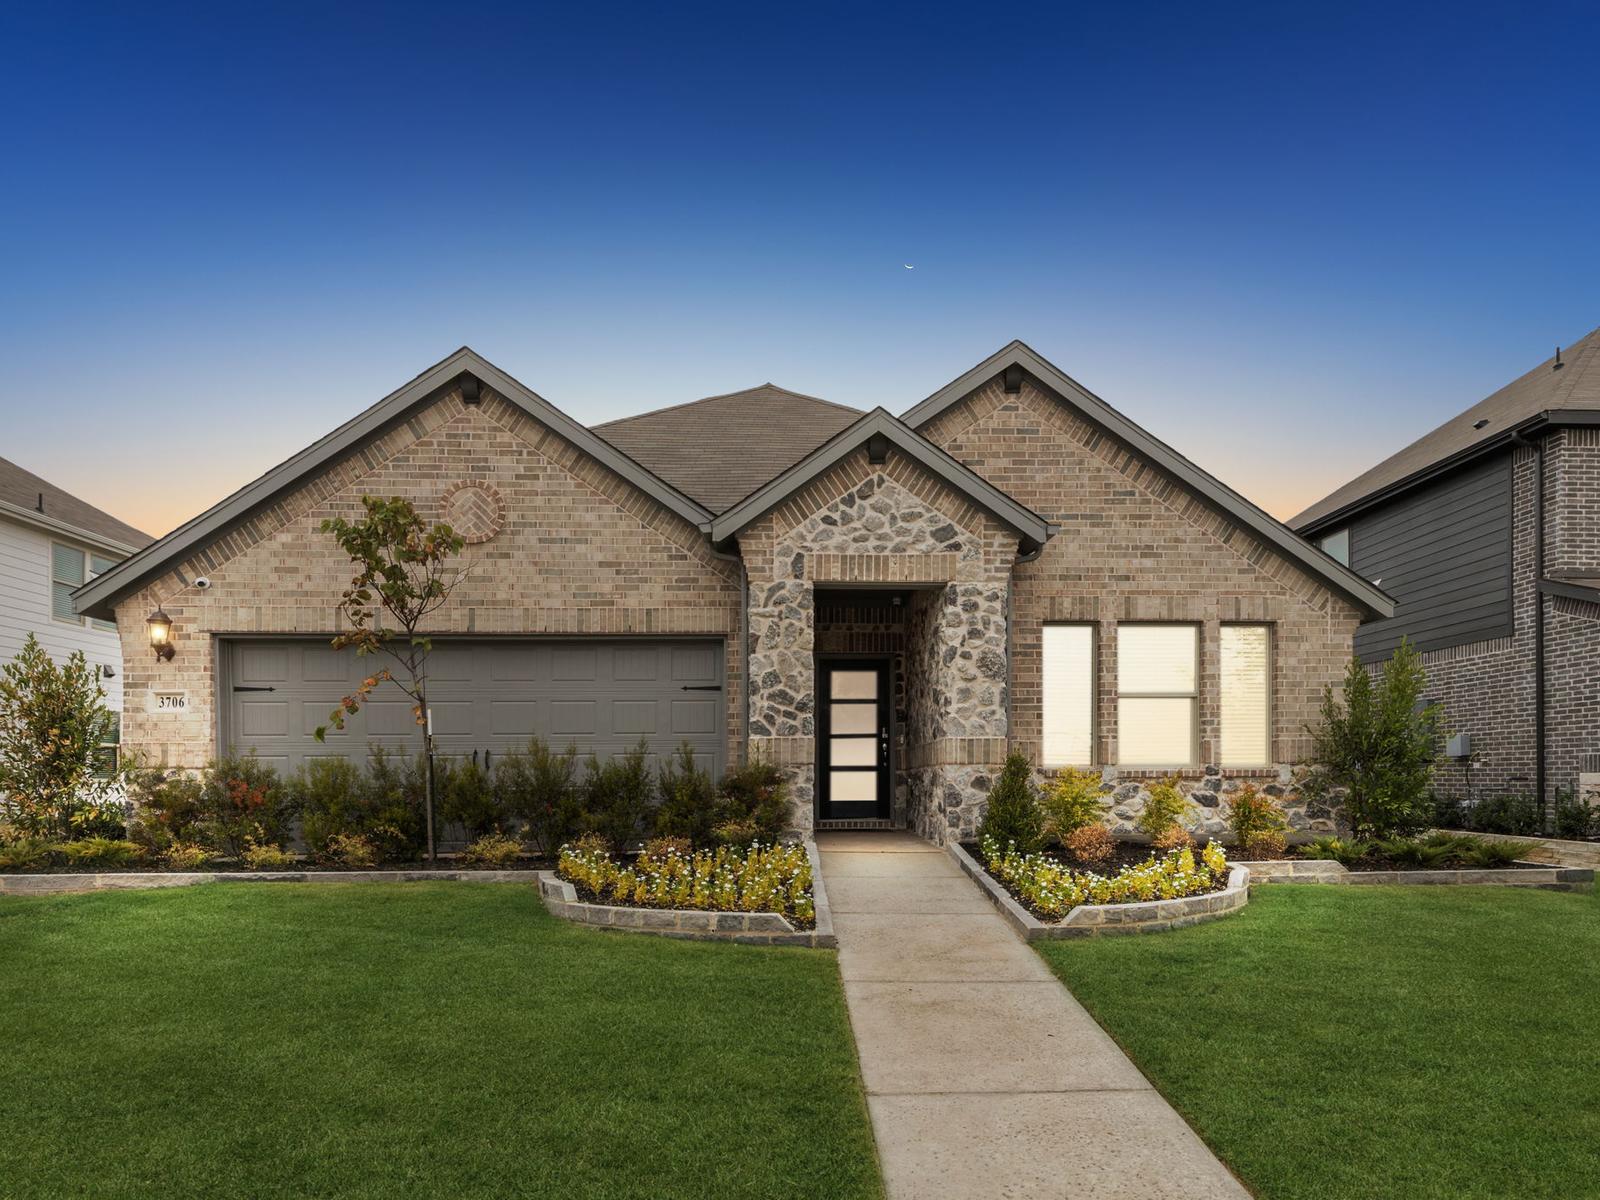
{"x": 718, "y": 450}
{"x": 1575, "y": 386}
{"x": 24, "y": 489}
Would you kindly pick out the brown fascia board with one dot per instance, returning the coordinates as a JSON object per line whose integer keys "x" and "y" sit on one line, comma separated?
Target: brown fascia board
{"x": 1200, "y": 482}
{"x": 1031, "y": 528}
{"x": 1554, "y": 418}
{"x": 96, "y": 597}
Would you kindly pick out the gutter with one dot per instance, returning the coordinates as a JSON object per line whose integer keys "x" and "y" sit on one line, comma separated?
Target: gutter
{"x": 49, "y": 524}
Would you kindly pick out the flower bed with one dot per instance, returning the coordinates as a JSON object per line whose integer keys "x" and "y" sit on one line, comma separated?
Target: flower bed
{"x": 762, "y": 879}
{"x": 1050, "y": 889}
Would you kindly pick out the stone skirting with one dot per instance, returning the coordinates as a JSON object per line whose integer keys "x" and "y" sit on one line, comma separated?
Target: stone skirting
{"x": 1550, "y": 879}
{"x": 758, "y": 928}
{"x": 1094, "y": 920}
{"x": 45, "y": 884}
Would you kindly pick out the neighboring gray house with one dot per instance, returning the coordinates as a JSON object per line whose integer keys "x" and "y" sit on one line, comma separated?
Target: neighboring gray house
{"x": 52, "y": 543}
{"x": 1487, "y": 534}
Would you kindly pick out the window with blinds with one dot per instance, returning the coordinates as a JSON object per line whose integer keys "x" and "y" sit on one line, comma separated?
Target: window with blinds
{"x": 66, "y": 576}
{"x": 1158, "y": 668}
{"x": 1245, "y": 669}
{"x": 1068, "y": 695}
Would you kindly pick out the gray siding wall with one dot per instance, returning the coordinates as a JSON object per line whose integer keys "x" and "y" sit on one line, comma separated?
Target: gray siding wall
{"x": 1444, "y": 554}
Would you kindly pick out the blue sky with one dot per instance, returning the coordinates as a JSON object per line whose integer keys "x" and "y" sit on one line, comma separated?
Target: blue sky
{"x": 1285, "y": 240}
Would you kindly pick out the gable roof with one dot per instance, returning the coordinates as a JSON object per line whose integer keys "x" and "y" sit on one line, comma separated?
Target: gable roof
{"x": 1544, "y": 393}
{"x": 95, "y": 597}
{"x": 1272, "y": 532}
{"x": 720, "y": 449}
{"x": 1031, "y": 528}
{"x": 36, "y": 501}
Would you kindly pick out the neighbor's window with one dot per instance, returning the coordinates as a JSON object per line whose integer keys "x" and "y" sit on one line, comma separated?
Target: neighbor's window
{"x": 1157, "y": 681}
{"x": 1068, "y": 695}
{"x": 66, "y": 575}
{"x": 1336, "y": 546}
{"x": 1245, "y": 667}
{"x": 99, "y": 565}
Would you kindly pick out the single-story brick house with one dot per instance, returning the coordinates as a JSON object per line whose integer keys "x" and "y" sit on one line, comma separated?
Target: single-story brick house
{"x": 881, "y": 605}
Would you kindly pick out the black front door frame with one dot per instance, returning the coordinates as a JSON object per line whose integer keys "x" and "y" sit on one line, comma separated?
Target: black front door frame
{"x": 884, "y": 664}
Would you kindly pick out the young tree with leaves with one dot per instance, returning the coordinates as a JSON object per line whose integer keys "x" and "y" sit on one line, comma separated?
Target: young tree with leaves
{"x": 404, "y": 568}
{"x": 53, "y": 721}
{"x": 1379, "y": 743}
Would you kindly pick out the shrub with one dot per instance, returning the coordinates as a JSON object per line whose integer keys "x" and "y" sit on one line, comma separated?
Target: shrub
{"x": 1449, "y": 813}
{"x": 469, "y": 798}
{"x": 1254, "y": 817}
{"x": 739, "y": 835}
{"x": 1071, "y": 801}
{"x": 754, "y": 796}
{"x": 24, "y": 854}
{"x": 1163, "y": 810}
{"x": 382, "y": 805}
{"x": 166, "y": 807}
{"x": 761, "y": 879}
{"x": 352, "y": 850}
{"x": 241, "y": 797}
{"x": 1052, "y": 889}
{"x": 498, "y": 850}
{"x": 1505, "y": 814}
{"x": 688, "y": 806}
{"x": 616, "y": 796}
{"x": 1012, "y": 817}
{"x": 1336, "y": 849}
{"x": 1379, "y": 744}
{"x": 665, "y": 847}
{"x": 185, "y": 856}
{"x": 260, "y": 856}
{"x": 1090, "y": 845}
{"x": 1262, "y": 846}
{"x": 1573, "y": 818}
{"x": 98, "y": 852}
{"x": 392, "y": 802}
{"x": 1173, "y": 837}
{"x": 537, "y": 788}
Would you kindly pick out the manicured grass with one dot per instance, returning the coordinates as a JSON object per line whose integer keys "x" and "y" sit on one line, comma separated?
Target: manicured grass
{"x": 414, "y": 1040}
{"x": 1371, "y": 1042}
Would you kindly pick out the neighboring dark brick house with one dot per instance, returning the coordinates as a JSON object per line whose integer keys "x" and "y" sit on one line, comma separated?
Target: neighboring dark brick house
{"x": 1487, "y": 534}
{"x": 880, "y": 606}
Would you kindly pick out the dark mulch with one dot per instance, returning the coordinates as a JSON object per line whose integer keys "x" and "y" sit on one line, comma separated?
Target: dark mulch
{"x": 1126, "y": 854}
{"x": 226, "y": 867}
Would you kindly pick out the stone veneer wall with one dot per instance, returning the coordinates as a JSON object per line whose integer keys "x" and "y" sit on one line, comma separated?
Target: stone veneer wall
{"x": 864, "y": 523}
{"x": 581, "y": 551}
{"x": 1137, "y": 546}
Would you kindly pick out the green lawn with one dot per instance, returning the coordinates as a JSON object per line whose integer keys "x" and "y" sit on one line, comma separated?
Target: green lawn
{"x": 411, "y": 1040}
{"x": 1372, "y": 1042}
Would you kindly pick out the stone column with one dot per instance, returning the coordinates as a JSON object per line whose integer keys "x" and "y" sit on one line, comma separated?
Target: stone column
{"x": 783, "y": 688}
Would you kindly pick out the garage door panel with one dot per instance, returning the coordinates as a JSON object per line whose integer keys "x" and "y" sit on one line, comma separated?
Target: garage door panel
{"x": 489, "y": 696}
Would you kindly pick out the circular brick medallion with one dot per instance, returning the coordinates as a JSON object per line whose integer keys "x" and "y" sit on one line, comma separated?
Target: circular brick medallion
{"x": 473, "y": 508}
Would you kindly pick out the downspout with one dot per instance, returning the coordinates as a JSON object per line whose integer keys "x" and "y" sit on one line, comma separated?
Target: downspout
{"x": 1537, "y": 446}
{"x": 744, "y": 645}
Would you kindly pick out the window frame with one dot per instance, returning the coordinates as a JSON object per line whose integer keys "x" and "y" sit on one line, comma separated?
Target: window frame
{"x": 1272, "y": 691}
{"x": 89, "y": 573}
{"x": 1197, "y": 628}
{"x": 1094, "y": 692}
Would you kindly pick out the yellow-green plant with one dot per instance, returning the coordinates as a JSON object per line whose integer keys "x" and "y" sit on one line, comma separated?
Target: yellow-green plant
{"x": 1052, "y": 889}
{"x": 492, "y": 850}
{"x": 350, "y": 850}
{"x": 265, "y": 856}
{"x": 1071, "y": 801}
{"x": 728, "y": 879}
{"x": 185, "y": 856}
{"x": 1163, "y": 808}
{"x": 1258, "y": 823}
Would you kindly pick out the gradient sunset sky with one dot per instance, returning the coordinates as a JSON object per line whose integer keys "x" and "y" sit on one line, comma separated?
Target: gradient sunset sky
{"x": 1286, "y": 241}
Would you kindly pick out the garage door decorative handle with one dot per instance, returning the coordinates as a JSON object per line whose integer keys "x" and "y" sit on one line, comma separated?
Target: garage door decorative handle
{"x": 701, "y": 687}
{"x": 240, "y": 687}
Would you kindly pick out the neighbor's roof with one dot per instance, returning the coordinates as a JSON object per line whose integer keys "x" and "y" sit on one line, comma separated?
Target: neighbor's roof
{"x": 1576, "y": 386}
{"x": 720, "y": 449}
{"x": 25, "y": 496}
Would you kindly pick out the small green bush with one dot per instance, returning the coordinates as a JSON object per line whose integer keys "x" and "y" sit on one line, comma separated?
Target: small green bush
{"x": 241, "y": 797}
{"x": 1336, "y": 849}
{"x": 1573, "y": 819}
{"x": 616, "y": 796}
{"x": 754, "y": 796}
{"x": 537, "y": 786}
{"x": 1163, "y": 810}
{"x": 688, "y": 804}
{"x": 24, "y": 854}
{"x": 1511, "y": 813}
{"x": 381, "y": 804}
{"x": 98, "y": 852}
{"x": 1257, "y": 821}
{"x": 469, "y": 798}
{"x": 185, "y": 856}
{"x": 1012, "y": 818}
{"x": 1071, "y": 801}
{"x": 166, "y": 807}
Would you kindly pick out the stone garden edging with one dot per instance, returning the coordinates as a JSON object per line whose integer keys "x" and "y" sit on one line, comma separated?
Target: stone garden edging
{"x": 760, "y": 928}
{"x": 48, "y": 884}
{"x": 1094, "y": 920}
{"x": 1550, "y": 879}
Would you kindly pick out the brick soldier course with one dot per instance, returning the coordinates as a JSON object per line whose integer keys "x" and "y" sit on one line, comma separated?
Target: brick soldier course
{"x": 1011, "y": 499}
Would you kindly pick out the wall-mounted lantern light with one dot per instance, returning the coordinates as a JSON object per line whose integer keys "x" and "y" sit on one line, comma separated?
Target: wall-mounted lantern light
{"x": 160, "y": 626}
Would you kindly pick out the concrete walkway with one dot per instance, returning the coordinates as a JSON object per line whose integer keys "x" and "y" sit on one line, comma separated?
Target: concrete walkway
{"x": 984, "y": 1077}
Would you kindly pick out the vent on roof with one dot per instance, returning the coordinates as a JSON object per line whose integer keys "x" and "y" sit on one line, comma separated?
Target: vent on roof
{"x": 1480, "y": 422}
{"x": 1558, "y": 364}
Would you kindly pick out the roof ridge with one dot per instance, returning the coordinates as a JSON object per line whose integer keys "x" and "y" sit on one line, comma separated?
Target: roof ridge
{"x": 652, "y": 412}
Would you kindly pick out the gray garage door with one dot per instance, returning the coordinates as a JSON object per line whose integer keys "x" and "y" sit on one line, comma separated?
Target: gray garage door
{"x": 487, "y": 697}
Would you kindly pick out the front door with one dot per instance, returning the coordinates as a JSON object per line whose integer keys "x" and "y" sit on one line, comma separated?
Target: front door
{"x": 853, "y": 738}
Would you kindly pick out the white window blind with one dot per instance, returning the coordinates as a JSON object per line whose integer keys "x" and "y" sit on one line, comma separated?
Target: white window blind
{"x": 66, "y": 575}
{"x": 1246, "y": 671}
{"x": 1068, "y": 695}
{"x": 1157, "y": 670}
